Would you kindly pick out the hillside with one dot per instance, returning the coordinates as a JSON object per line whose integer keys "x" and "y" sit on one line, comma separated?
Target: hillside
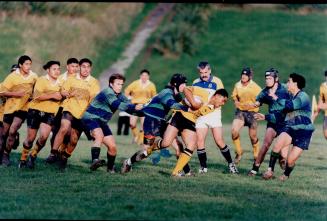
{"x": 259, "y": 38}
{"x": 57, "y": 31}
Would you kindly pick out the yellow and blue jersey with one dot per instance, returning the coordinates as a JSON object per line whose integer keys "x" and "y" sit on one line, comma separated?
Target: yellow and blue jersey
{"x": 213, "y": 84}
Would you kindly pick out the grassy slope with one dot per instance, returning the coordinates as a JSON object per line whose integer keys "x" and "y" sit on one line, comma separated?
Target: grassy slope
{"x": 260, "y": 39}
{"x": 100, "y": 33}
{"x": 148, "y": 193}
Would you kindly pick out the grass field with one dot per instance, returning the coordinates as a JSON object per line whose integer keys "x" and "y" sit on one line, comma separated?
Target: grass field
{"x": 149, "y": 193}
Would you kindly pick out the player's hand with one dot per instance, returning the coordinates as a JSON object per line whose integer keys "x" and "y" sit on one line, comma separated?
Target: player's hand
{"x": 56, "y": 96}
{"x": 237, "y": 104}
{"x": 138, "y": 106}
{"x": 259, "y": 116}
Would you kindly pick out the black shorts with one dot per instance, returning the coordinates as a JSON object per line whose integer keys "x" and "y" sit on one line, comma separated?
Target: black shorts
{"x": 325, "y": 123}
{"x": 181, "y": 122}
{"x": 247, "y": 117}
{"x": 56, "y": 123}
{"x": 277, "y": 127}
{"x": 36, "y": 117}
{"x": 8, "y": 118}
{"x": 75, "y": 123}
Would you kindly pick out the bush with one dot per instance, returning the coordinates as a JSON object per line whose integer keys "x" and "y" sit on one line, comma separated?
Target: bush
{"x": 181, "y": 34}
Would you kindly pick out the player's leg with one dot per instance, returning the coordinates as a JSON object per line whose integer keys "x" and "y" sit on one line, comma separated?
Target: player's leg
{"x": 268, "y": 139}
{"x": 133, "y": 126}
{"x": 217, "y": 133}
{"x": 284, "y": 139}
{"x": 236, "y": 127}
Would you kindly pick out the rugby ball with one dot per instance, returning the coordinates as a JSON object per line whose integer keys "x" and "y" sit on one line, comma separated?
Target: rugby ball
{"x": 196, "y": 98}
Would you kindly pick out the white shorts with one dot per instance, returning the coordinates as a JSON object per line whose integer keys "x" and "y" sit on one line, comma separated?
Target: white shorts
{"x": 210, "y": 120}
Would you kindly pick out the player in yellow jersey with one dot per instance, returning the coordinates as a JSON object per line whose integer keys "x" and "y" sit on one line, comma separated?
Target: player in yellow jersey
{"x": 2, "y": 108}
{"x": 41, "y": 113}
{"x": 72, "y": 70}
{"x": 244, "y": 93}
{"x": 322, "y": 104}
{"x": 79, "y": 92}
{"x": 140, "y": 92}
{"x": 18, "y": 88}
{"x": 218, "y": 99}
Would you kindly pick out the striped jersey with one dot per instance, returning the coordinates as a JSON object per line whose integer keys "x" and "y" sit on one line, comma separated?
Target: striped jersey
{"x": 106, "y": 103}
{"x": 298, "y": 109}
{"x": 160, "y": 105}
{"x": 276, "y": 114}
{"x": 323, "y": 94}
{"x": 213, "y": 84}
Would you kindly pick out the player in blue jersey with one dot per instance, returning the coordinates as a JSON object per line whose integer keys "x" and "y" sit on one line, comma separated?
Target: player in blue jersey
{"x": 298, "y": 127}
{"x": 156, "y": 113}
{"x": 275, "y": 117}
{"x": 97, "y": 115}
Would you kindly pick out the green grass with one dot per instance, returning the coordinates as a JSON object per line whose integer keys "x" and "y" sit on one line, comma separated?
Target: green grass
{"x": 258, "y": 38}
{"x": 149, "y": 193}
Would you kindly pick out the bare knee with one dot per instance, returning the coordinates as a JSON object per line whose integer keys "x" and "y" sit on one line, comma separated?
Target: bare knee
{"x": 112, "y": 150}
{"x": 235, "y": 134}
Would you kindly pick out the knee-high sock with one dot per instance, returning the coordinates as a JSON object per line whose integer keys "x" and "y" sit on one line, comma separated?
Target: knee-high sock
{"x": 140, "y": 137}
{"x": 25, "y": 152}
{"x": 226, "y": 153}
{"x": 95, "y": 153}
{"x": 288, "y": 170}
{"x": 238, "y": 148}
{"x": 36, "y": 149}
{"x": 256, "y": 149}
{"x": 202, "y": 155}
{"x": 182, "y": 161}
{"x": 135, "y": 132}
{"x": 111, "y": 161}
{"x": 273, "y": 158}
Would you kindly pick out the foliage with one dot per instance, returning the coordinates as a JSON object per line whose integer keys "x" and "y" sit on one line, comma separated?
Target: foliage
{"x": 178, "y": 36}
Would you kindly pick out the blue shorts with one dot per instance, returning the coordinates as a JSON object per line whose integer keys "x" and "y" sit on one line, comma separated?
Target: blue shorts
{"x": 300, "y": 138}
{"x": 154, "y": 127}
{"x": 91, "y": 124}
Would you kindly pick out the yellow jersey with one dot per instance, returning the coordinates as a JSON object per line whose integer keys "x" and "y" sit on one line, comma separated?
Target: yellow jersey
{"x": 84, "y": 90}
{"x": 15, "y": 81}
{"x": 246, "y": 94}
{"x": 323, "y": 94}
{"x": 140, "y": 93}
{"x": 2, "y": 104}
{"x": 202, "y": 94}
{"x": 43, "y": 85}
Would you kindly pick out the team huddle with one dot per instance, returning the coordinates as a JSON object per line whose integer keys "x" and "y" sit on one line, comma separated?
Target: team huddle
{"x": 179, "y": 116}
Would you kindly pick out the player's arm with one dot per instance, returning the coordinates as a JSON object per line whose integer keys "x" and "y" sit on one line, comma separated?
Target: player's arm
{"x": 171, "y": 103}
{"x": 123, "y": 104}
{"x": 189, "y": 96}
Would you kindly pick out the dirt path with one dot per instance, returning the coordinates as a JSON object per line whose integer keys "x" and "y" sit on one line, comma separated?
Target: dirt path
{"x": 145, "y": 30}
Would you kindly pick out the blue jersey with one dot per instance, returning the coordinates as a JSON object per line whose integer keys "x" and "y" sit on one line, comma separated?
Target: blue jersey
{"x": 105, "y": 104}
{"x": 160, "y": 105}
{"x": 211, "y": 85}
{"x": 276, "y": 114}
{"x": 298, "y": 111}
